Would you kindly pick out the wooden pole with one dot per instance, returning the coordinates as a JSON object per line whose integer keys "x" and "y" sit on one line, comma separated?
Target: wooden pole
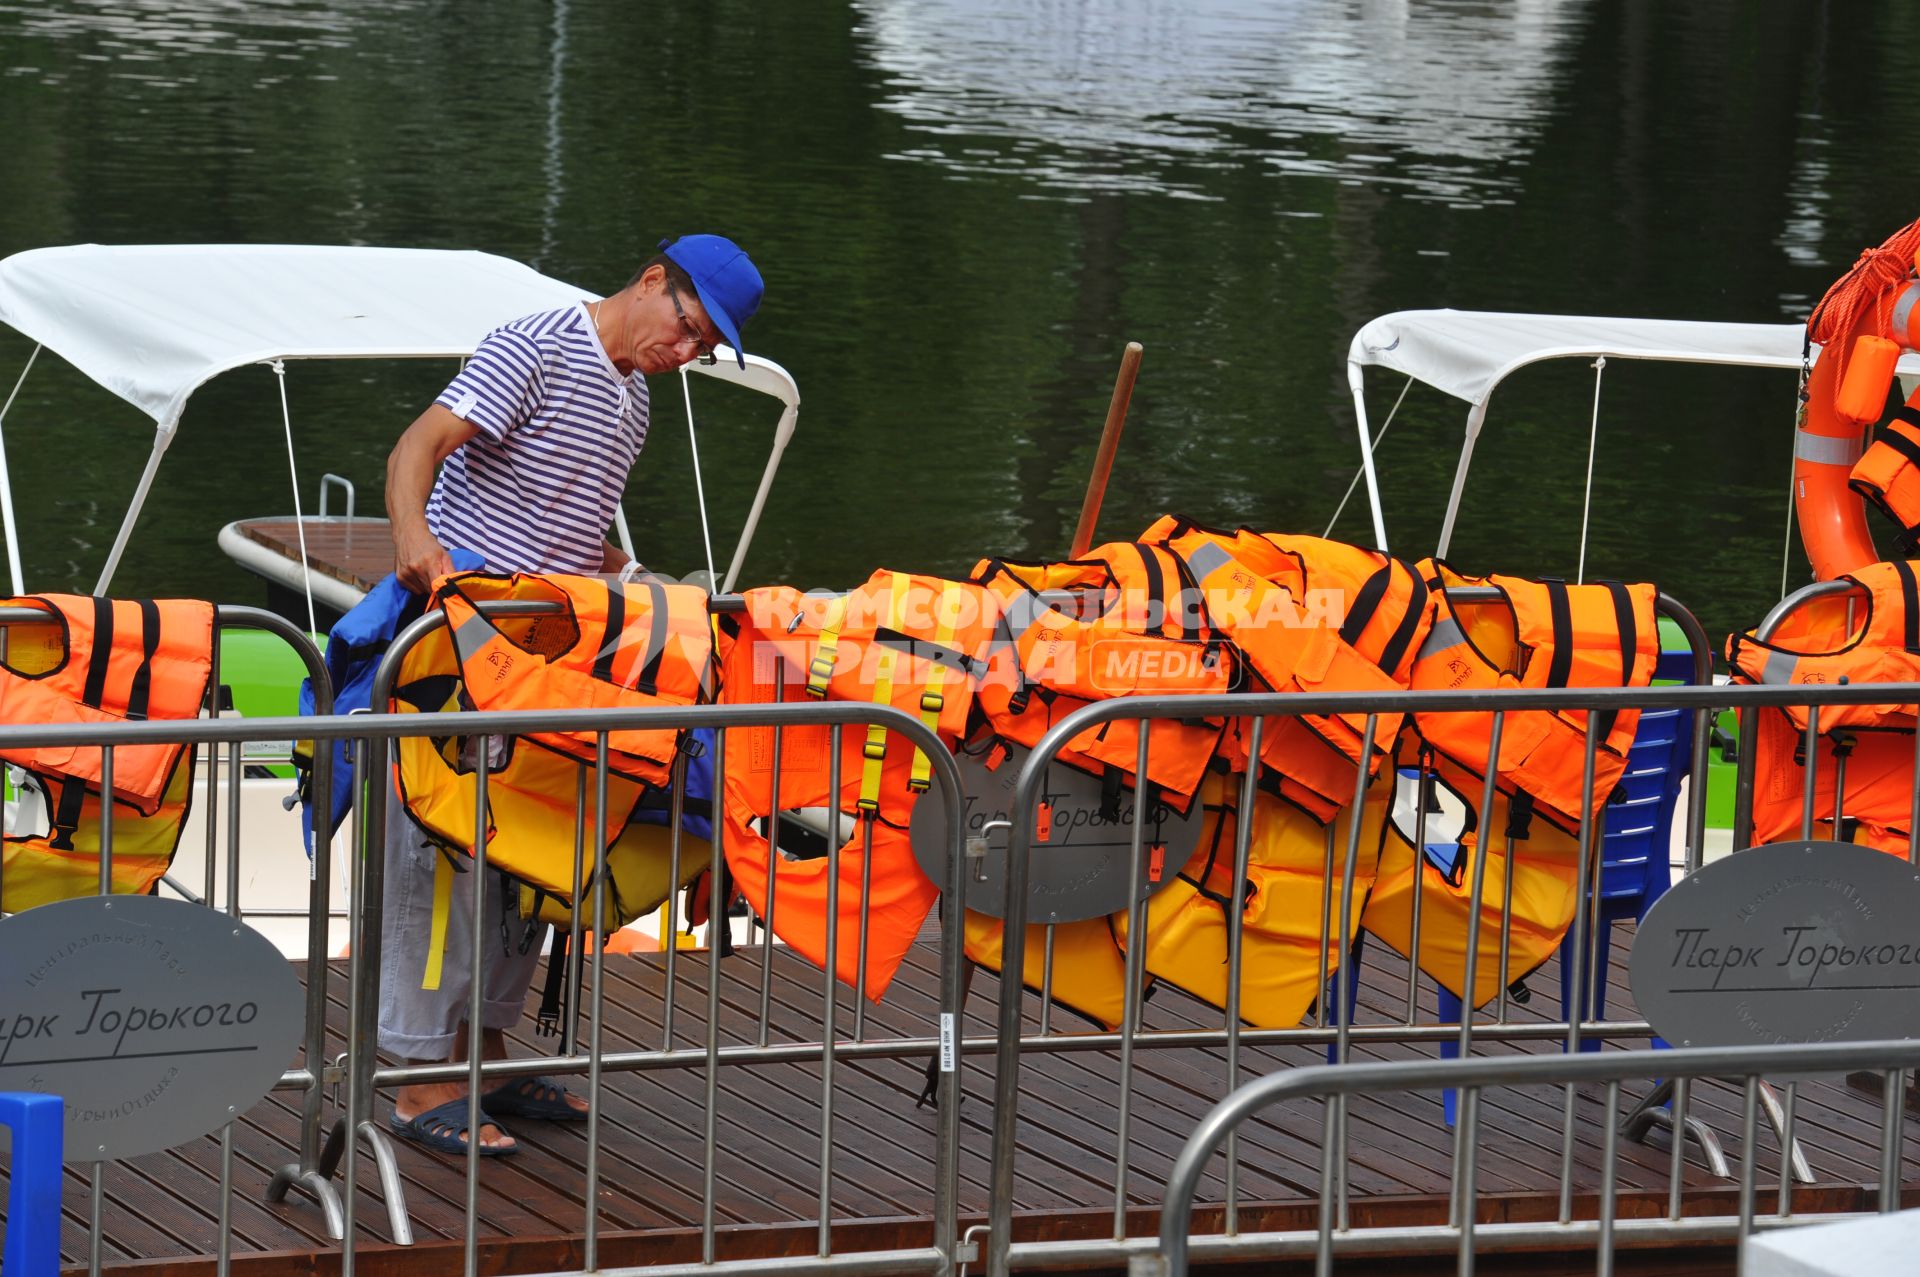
{"x": 1109, "y": 444}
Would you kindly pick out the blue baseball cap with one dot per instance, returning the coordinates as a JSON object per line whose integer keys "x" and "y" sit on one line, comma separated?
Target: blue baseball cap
{"x": 725, "y": 277}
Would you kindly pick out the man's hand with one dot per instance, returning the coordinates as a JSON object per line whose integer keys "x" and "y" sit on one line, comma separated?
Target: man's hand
{"x": 418, "y": 556}
{"x": 419, "y": 559}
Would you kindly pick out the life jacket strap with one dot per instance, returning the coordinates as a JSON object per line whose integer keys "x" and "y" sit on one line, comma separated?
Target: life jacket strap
{"x": 443, "y": 874}
{"x": 826, "y": 651}
{"x": 65, "y": 816}
{"x": 553, "y": 996}
{"x": 874, "y": 753}
{"x": 1909, "y": 604}
{"x": 933, "y": 699}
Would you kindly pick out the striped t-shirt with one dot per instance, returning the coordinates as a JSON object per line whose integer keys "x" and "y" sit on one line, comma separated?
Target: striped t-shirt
{"x": 536, "y": 489}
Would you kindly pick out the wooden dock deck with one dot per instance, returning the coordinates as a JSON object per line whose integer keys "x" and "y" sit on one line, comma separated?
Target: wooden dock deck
{"x": 161, "y": 1211}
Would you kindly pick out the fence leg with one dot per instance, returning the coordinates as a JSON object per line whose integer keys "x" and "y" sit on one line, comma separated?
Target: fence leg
{"x": 33, "y": 1198}
{"x": 1653, "y": 1111}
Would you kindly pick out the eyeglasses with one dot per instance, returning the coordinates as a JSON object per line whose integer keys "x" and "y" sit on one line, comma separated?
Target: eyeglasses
{"x": 689, "y": 334}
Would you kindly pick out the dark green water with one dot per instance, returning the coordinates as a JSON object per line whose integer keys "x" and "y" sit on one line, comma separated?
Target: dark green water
{"x": 963, "y": 211}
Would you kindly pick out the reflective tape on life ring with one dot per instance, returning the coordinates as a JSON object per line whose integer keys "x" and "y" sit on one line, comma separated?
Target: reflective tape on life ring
{"x": 1825, "y": 450}
{"x": 1903, "y": 313}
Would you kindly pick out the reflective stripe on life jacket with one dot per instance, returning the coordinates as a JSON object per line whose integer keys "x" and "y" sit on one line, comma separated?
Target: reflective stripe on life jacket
{"x": 105, "y": 661}
{"x": 1888, "y": 474}
{"x": 614, "y": 645}
{"x": 1537, "y": 634}
{"x": 916, "y": 643}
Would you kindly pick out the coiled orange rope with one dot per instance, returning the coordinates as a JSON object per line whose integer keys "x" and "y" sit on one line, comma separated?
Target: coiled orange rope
{"x": 1870, "y": 284}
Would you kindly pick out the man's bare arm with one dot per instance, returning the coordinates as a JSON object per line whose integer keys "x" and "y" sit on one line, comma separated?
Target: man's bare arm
{"x": 418, "y": 556}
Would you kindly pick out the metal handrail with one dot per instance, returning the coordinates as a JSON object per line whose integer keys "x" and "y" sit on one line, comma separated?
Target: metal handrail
{"x": 1477, "y": 1072}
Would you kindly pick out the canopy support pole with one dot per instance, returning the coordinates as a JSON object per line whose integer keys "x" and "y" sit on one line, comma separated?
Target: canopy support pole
{"x": 279, "y": 367}
{"x": 1593, "y": 448}
{"x": 14, "y": 568}
{"x": 782, "y": 434}
{"x": 1361, "y": 472}
{"x": 1358, "y": 386}
{"x": 1476, "y": 417}
{"x": 699, "y": 485}
{"x": 162, "y": 439}
{"x": 621, "y": 530}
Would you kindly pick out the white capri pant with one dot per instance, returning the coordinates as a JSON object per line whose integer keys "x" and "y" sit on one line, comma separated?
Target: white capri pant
{"x": 418, "y": 1023}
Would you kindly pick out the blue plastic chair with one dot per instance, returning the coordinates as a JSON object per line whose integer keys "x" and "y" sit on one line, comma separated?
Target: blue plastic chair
{"x": 1636, "y": 833}
{"x": 33, "y": 1198}
{"x": 1636, "y": 837}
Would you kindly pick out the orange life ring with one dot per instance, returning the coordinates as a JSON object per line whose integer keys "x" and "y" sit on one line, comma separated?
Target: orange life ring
{"x": 1869, "y": 315}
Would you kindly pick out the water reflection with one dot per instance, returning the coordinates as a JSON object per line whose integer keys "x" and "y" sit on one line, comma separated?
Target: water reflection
{"x": 1085, "y": 96}
{"x": 130, "y": 33}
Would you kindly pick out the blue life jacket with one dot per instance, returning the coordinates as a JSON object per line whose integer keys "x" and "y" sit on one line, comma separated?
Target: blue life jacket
{"x": 354, "y": 647}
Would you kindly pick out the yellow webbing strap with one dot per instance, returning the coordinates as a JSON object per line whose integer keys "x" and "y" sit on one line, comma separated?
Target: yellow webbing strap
{"x": 932, "y": 699}
{"x": 875, "y": 750}
{"x": 827, "y": 652}
{"x": 442, "y": 906}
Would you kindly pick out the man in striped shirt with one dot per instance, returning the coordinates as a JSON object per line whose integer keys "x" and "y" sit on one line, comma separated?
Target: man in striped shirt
{"x": 531, "y": 443}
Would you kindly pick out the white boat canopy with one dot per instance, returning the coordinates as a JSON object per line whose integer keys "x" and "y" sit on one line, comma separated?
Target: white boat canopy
{"x": 1469, "y": 353}
{"x": 152, "y": 323}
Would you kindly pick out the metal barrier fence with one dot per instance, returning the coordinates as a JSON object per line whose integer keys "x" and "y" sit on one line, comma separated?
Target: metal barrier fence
{"x": 1332, "y": 1022}
{"x": 329, "y": 1145}
{"x": 1169, "y": 1256}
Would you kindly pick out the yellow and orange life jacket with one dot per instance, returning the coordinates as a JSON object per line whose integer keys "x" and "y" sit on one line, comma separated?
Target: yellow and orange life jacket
{"x": 1290, "y": 906}
{"x": 612, "y": 645}
{"x": 100, "y": 660}
{"x": 1533, "y": 634}
{"x": 607, "y": 653}
{"x": 917, "y": 643}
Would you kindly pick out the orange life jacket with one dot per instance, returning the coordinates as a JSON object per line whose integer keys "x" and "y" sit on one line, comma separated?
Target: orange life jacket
{"x": 1125, "y": 620}
{"x": 101, "y": 661}
{"x": 1309, "y": 615}
{"x": 614, "y": 645}
{"x": 1888, "y": 474}
{"x": 1876, "y": 804}
{"x": 106, "y": 661}
{"x": 914, "y": 642}
{"x": 1840, "y": 636}
{"x": 1821, "y": 642}
{"x": 1539, "y": 634}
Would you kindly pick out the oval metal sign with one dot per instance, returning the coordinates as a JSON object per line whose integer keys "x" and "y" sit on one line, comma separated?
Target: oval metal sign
{"x": 155, "y": 1020}
{"x": 1081, "y": 856}
{"x": 1788, "y": 943}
